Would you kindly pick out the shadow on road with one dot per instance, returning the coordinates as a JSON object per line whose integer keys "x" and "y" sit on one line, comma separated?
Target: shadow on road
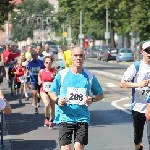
{"x": 20, "y": 144}
{"x": 109, "y": 117}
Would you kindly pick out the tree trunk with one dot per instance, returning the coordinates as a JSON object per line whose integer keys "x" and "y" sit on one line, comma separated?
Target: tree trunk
{"x": 127, "y": 42}
{"x": 113, "y": 44}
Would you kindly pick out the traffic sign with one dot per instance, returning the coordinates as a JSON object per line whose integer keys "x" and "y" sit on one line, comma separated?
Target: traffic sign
{"x": 81, "y": 36}
{"x": 69, "y": 39}
{"x": 64, "y": 34}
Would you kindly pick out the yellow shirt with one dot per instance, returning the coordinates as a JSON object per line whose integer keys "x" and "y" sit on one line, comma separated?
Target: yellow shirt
{"x": 67, "y": 58}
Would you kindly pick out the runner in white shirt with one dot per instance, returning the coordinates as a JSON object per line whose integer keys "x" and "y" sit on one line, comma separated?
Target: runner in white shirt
{"x": 47, "y": 52}
{"x": 137, "y": 77}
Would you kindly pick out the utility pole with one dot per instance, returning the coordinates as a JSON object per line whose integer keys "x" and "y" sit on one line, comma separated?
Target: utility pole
{"x": 42, "y": 29}
{"x": 107, "y": 34}
{"x": 80, "y": 28}
{"x": 63, "y": 32}
{"x": 81, "y": 36}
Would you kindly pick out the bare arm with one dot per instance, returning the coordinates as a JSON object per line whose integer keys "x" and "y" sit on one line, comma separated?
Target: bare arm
{"x": 126, "y": 84}
{"x": 53, "y": 57}
{"x": 2, "y": 59}
{"x": 7, "y": 109}
{"x": 40, "y": 78}
{"x": 52, "y": 96}
{"x": 99, "y": 97}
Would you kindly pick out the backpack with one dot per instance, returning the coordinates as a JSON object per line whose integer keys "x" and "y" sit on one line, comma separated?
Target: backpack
{"x": 64, "y": 72}
{"x": 136, "y": 65}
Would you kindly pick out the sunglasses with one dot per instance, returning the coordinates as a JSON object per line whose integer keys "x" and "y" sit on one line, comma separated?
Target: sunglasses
{"x": 147, "y": 50}
{"x": 48, "y": 62}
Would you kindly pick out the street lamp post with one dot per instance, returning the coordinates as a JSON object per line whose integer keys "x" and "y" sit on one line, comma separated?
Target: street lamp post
{"x": 107, "y": 34}
{"x": 81, "y": 36}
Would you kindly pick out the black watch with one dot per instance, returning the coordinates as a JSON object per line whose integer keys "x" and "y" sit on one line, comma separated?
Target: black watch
{"x": 56, "y": 101}
{"x": 93, "y": 99}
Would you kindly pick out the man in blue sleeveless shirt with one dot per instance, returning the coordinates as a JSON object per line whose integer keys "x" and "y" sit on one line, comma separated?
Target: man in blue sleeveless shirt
{"x": 34, "y": 66}
{"x": 71, "y": 90}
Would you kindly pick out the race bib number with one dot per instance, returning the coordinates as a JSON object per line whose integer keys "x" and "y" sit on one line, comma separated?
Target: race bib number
{"x": 35, "y": 70}
{"x": 23, "y": 79}
{"x": 76, "y": 95}
{"x": 46, "y": 86}
{"x": 143, "y": 92}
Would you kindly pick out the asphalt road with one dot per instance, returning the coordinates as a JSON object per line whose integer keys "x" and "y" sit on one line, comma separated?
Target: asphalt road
{"x": 110, "y": 127}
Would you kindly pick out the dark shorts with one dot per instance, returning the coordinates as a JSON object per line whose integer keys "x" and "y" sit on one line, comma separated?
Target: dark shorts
{"x": 28, "y": 79}
{"x": 9, "y": 73}
{"x": 35, "y": 86}
{"x": 139, "y": 120}
{"x": 5, "y": 65}
{"x": 18, "y": 85}
{"x": 80, "y": 133}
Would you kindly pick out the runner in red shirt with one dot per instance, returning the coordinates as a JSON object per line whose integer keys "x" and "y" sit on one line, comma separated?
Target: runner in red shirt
{"x": 45, "y": 78}
{"x": 4, "y": 57}
{"x": 19, "y": 71}
{"x": 12, "y": 59}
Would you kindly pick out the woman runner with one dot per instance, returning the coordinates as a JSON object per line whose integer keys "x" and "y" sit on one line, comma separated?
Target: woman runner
{"x": 45, "y": 78}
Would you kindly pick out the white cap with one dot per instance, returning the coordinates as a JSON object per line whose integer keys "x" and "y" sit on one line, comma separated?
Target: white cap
{"x": 146, "y": 45}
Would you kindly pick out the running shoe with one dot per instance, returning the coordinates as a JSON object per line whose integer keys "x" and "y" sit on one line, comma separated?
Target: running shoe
{"x": 36, "y": 111}
{"x": 141, "y": 148}
{"x": 51, "y": 125}
{"x": 38, "y": 104}
{"x": 13, "y": 94}
{"x": 46, "y": 123}
{"x": 20, "y": 101}
{"x": 27, "y": 98}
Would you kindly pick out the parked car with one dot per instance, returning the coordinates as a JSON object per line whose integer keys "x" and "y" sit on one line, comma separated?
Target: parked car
{"x": 124, "y": 54}
{"x": 89, "y": 53}
{"x": 109, "y": 54}
{"x": 101, "y": 51}
{"x": 54, "y": 49}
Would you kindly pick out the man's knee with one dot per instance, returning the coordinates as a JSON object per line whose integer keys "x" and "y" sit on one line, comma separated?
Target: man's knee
{"x": 78, "y": 146}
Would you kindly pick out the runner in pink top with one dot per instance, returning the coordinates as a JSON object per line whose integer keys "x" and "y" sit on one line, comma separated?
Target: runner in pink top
{"x": 45, "y": 78}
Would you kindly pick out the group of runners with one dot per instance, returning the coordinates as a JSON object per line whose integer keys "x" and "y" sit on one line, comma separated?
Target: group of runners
{"x": 68, "y": 90}
{"x": 31, "y": 69}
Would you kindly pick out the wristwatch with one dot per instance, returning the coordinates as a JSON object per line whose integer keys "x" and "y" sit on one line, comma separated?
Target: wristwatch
{"x": 93, "y": 99}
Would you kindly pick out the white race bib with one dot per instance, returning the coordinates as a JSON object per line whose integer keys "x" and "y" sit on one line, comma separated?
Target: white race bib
{"x": 143, "y": 93}
{"x": 76, "y": 95}
{"x": 23, "y": 79}
{"x": 46, "y": 86}
{"x": 35, "y": 70}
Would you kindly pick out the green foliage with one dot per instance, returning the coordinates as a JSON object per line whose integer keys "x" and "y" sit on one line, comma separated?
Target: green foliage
{"x": 125, "y": 16}
{"x": 5, "y": 7}
{"x": 25, "y": 20}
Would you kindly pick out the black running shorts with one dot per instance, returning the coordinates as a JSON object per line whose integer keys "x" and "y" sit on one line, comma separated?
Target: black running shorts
{"x": 80, "y": 133}
{"x": 35, "y": 86}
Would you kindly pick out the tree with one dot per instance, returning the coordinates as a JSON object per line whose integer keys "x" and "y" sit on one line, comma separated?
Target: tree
{"x": 93, "y": 23}
{"x": 125, "y": 16}
{"x": 25, "y": 20}
{"x": 6, "y": 6}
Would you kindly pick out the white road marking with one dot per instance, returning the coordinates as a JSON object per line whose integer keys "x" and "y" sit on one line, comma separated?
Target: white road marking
{"x": 107, "y": 74}
{"x": 111, "y": 85}
{"x": 114, "y": 103}
{"x": 127, "y": 105}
